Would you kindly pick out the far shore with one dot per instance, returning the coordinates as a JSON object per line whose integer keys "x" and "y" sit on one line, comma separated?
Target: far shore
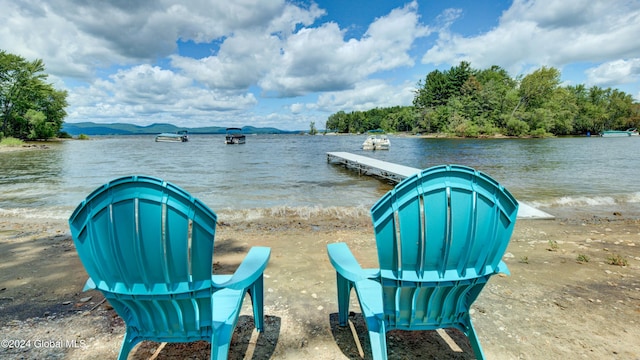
{"x": 43, "y": 145}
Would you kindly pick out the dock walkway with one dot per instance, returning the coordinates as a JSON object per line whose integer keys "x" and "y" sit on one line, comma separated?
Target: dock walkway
{"x": 396, "y": 173}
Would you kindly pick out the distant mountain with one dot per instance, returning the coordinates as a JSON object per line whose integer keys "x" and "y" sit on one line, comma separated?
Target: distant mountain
{"x": 91, "y": 128}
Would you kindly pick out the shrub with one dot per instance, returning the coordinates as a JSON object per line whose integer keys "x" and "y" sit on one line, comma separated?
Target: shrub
{"x": 539, "y": 133}
{"x": 517, "y": 127}
{"x": 617, "y": 260}
{"x": 467, "y": 129}
{"x": 64, "y": 135}
{"x": 10, "y": 141}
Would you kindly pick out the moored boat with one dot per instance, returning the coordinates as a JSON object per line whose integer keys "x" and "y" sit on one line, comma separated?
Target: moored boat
{"x": 369, "y": 143}
{"x": 383, "y": 143}
{"x": 376, "y": 142}
{"x": 235, "y": 136}
{"x": 180, "y": 136}
{"x": 620, "y": 133}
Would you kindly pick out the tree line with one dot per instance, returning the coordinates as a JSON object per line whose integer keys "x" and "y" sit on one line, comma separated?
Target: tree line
{"x": 30, "y": 108}
{"x": 469, "y": 102}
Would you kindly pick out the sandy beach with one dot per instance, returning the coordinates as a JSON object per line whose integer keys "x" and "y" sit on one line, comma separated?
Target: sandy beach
{"x": 552, "y": 306}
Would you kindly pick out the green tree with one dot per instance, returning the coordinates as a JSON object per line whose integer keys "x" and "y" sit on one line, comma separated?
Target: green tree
{"x": 337, "y": 122}
{"x": 536, "y": 88}
{"x": 23, "y": 88}
{"x": 582, "y": 122}
{"x": 470, "y": 102}
{"x": 596, "y": 108}
{"x": 619, "y": 112}
{"x": 39, "y": 127}
{"x": 433, "y": 92}
{"x": 497, "y": 96}
{"x": 564, "y": 109}
{"x": 457, "y": 76}
{"x": 312, "y": 128}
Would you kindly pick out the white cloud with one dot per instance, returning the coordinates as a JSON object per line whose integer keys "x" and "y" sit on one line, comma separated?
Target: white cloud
{"x": 547, "y": 32}
{"x": 297, "y": 108}
{"x": 319, "y": 59}
{"x": 74, "y": 37}
{"x": 367, "y": 95}
{"x": 121, "y": 61}
{"x": 149, "y": 93}
{"x": 614, "y": 72}
{"x": 282, "y": 61}
{"x": 247, "y": 54}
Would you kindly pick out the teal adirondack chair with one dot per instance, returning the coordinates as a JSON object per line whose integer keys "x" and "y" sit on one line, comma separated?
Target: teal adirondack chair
{"x": 440, "y": 236}
{"x": 147, "y": 245}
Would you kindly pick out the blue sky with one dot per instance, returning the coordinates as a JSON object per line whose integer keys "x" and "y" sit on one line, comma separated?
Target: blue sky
{"x": 285, "y": 64}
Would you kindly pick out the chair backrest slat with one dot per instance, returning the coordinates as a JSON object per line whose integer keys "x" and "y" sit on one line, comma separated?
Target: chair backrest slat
{"x": 143, "y": 232}
{"x": 445, "y": 219}
{"x": 439, "y": 235}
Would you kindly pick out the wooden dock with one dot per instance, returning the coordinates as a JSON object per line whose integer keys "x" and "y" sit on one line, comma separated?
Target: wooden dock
{"x": 396, "y": 173}
{"x": 369, "y": 166}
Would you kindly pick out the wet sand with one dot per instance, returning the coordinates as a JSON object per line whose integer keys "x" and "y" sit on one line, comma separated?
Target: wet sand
{"x": 551, "y": 307}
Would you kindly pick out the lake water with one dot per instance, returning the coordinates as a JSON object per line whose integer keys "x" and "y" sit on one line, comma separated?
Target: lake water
{"x": 562, "y": 176}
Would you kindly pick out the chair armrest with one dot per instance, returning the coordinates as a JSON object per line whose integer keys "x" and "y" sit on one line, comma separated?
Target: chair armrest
{"x": 250, "y": 270}
{"x": 502, "y": 268}
{"x": 371, "y": 303}
{"x": 89, "y": 285}
{"x": 346, "y": 264}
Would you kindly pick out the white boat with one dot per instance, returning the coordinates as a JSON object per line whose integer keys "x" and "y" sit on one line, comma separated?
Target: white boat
{"x": 620, "y": 133}
{"x": 235, "y": 136}
{"x": 180, "y": 136}
{"x": 376, "y": 142}
{"x": 383, "y": 143}
{"x": 369, "y": 143}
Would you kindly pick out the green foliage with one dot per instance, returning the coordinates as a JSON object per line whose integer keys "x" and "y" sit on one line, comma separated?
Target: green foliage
{"x": 40, "y": 127}
{"x": 617, "y": 260}
{"x": 11, "y": 142}
{"x": 463, "y": 127}
{"x": 538, "y": 87}
{"x": 539, "y": 133}
{"x": 30, "y": 108}
{"x": 468, "y": 102}
{"x": 83, "y": 137}
{"x": 64, "y": 135}
{"x": 553, "y": 245}
{"x": 516, "y": 127}
{"x": 391, "y": 119}
{"x": 312, "y": 128}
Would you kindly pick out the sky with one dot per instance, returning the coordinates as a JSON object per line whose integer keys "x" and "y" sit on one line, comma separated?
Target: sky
{"x": 285, "y": 64}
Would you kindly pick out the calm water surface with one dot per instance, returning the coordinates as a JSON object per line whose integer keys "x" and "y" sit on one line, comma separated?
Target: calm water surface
{"x": 562, "y": 176}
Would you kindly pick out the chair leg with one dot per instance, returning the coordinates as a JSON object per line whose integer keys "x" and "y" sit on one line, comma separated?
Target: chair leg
{"x": 475, "y": 343}
{"x": 378, "y": 340}
{"x": 344, "y": 294}
{"x": 219, "y": 351}
{"x": 129, "y": 342}
{"x": 256, "y": 291}
{"x": 221, "y": 341}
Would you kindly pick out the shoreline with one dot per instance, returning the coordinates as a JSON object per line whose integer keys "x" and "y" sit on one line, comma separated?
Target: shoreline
{"x": 550, "y": 307}
{"x": 23, "y": 147}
